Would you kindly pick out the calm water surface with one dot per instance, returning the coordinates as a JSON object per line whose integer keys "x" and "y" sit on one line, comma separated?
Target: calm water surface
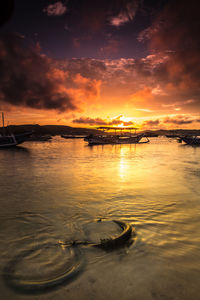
{"x": 55, "y": 191}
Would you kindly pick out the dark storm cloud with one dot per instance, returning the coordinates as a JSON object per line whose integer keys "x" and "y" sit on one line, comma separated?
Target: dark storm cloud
{"x": 28, "y": 78}
{"x": 112, "y": 47}
{"x": 168, "y": 79}
{"x": 126, "y": 14}
{"x": 87, "y": 67}
{"x": 176, "y": 27}
{"x": 175, "y": 33}
{"x": 95, "y": 15}
{"x": 111, "y": 72}
{"x": 99, "y": 121}
{"x": 144, "y": 82}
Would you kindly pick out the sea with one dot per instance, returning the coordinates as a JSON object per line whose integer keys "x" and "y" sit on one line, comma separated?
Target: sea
{"x": 59, "y": 198}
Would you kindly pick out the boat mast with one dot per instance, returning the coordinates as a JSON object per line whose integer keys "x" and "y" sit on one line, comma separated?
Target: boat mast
{"x": 3, "y": 118}
{"x": 3, "y": 123}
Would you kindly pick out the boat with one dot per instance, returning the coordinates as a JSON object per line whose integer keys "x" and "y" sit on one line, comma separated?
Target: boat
{"x": 102, "y": 140}
{"x": 172, "y": 136}
{"x": 39, "y": 138}
{"x": 72, "y": 136}
{"x": 190, "y": 140}
{"x": 115, "y": 139}
{"x": 12, "y": 140}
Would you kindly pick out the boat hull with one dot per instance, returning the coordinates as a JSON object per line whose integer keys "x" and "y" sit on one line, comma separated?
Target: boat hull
{"x": 191, "y": 140}
{"x": 21, "y": 138}
{"x": 7, "y": 142}
{"x": 72, "y": 136}
{"x": 98, "y": 140}
{"x": 13, "y": 140}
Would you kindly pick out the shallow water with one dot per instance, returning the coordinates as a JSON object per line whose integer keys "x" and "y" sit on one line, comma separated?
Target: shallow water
{"x": 53, "y": 192}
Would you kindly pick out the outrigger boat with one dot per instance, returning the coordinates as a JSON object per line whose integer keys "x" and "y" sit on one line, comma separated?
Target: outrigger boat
{"x": 12, "y": 140}
{"x": 190, "y": 140}
{"x": 115, "y": 139}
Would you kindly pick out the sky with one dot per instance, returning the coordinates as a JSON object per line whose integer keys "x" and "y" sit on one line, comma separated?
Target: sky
{"x": 88, "y": 63}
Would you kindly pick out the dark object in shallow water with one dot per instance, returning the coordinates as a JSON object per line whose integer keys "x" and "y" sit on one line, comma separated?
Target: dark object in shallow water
{"x": 113, "y": 242}
{"x": 120, "y": 240}
{"x": 35, "y": 286}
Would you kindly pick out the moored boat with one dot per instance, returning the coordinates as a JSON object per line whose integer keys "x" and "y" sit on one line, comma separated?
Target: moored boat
{"x": 12, "y": 140}
{"x": 115, "y": 139}
{"x": 172, "y": 136}
{"x": 39, "y": 138}
{"x": 100, "y": 140}
{"x": 72, "y": 136}
{"x": 190, "y": 140}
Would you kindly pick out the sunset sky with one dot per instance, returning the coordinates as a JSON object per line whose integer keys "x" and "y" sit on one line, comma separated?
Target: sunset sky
{"x": 89, "y": 63}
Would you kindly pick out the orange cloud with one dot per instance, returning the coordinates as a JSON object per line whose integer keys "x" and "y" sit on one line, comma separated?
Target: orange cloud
{"x": 90, "y": 89}
{"x": 142, "y": 97}
{"x": 99, "y": 121}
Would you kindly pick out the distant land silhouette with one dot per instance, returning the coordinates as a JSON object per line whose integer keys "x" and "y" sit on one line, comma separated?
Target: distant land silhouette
{"x": 48, "y": 129}
{"x": 62, "y": 129}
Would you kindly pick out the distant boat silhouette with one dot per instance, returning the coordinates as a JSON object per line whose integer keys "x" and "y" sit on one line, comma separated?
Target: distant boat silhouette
{"x": 72, "y": 136}
{"x": 39, "y": 138}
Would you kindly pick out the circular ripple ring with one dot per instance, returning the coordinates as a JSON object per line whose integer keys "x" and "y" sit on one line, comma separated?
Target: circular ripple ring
{"x": 34, "y": 286}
